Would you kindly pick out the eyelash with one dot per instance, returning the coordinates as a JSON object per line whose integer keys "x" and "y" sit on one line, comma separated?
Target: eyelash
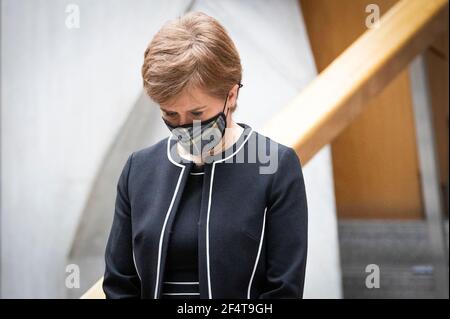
{"x": 193, "y": 113}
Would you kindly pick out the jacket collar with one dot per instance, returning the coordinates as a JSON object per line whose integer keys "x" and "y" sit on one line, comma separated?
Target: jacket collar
{"x": 177, "y": 160}
{"x": 204, "y": 253}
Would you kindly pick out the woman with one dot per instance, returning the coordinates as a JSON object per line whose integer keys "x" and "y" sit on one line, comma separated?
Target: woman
{"x": 216, "y": 210}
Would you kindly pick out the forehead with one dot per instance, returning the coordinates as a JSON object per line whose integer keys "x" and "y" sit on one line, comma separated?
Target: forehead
{"x": 188, "y": 100}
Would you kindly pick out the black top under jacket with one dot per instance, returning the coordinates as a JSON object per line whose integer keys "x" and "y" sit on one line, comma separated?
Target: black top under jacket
{"x": 181, "y": 273}
{"x": 252, "y": 231}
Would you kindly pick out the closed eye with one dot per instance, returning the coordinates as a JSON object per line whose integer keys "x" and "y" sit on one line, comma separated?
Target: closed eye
{"x": 198, "y": 113}
{"x": 170, "y": 114}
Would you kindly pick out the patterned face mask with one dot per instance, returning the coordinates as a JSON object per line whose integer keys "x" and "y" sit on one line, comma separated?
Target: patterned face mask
{"x": 200, "y": 137}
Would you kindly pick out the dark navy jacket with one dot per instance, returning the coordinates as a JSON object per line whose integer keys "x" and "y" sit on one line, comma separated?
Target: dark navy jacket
{"x": 252, "y": 230}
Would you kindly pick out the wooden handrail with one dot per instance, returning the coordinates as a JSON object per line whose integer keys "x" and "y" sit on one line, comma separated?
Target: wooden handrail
{"x": 95, "y": 292}
{"x": 341, "y": 91}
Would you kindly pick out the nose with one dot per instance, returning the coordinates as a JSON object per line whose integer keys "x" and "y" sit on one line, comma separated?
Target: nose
{"x": 183, "y": 119}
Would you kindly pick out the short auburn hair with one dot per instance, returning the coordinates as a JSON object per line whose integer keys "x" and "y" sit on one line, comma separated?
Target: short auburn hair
{"x": 191, "y": 51}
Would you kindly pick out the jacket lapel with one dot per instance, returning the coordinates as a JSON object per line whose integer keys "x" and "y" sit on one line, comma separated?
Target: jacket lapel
{"x": 203, "y": 242}
{"x": 183, "y": 169}
{"x": 178, "y": 172}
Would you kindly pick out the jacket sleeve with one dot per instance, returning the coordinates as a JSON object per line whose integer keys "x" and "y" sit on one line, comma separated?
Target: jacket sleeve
{"x": 286, "y": 230}
{"x": 120, "y": 278}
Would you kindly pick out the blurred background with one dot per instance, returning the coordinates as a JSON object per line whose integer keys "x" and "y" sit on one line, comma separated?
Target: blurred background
{"x": 372, "y": 132}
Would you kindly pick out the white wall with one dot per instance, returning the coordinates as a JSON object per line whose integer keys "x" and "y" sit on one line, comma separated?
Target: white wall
{"x": 65, "y": 94}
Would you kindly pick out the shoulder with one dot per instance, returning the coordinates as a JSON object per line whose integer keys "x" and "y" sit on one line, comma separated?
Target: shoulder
{"x": 154, "y": 153}
{"x": 144, "y": 158}
{"x": 280, "y": 152}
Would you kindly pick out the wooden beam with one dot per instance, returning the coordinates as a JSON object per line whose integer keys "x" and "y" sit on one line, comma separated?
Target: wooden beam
{"x": 95, "y": 292}
{"x": 331, "y": 101}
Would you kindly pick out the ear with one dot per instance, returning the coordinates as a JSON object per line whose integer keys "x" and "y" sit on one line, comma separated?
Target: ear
{"x": 235, "y": 91}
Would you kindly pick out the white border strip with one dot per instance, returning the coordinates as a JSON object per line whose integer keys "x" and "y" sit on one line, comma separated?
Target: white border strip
{"x": 181, "y": 282}
{"x": 167, "y": 217}
{"x": 257, "y": 256}
{"x": 135, "y": 265}
{"x": 181, "y": 293}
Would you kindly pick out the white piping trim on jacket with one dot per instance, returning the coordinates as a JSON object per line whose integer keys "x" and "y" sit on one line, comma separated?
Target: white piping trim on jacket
{"x": 135, "y": 265}
{"x": 169, "y": 156}
{"x": 209, "y": 208}
{"x": 181, "y": 282}
{"x": 167, "y": 217}
{"x": 181, "y": 293}
{"x": 257, "y": 256}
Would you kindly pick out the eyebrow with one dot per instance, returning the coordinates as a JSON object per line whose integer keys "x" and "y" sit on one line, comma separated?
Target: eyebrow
{"x": 192, "y": 110}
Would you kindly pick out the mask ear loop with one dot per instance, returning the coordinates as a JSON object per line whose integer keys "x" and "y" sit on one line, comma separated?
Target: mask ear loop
{"x": 226, "y": 100}
{"x": 226, "y": 115}
{"x": 240, "y": 85}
